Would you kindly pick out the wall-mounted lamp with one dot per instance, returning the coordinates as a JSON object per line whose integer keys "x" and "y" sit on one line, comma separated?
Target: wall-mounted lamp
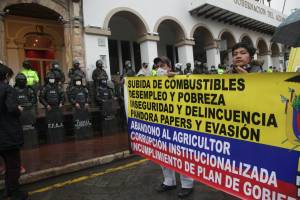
{"x": 5, "y": 12}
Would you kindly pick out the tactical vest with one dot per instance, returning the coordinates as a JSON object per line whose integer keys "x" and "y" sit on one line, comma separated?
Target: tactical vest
{"x": 104, "y": 93}
{"x": 23, "y": 98}
{"x": 52, "y": 96}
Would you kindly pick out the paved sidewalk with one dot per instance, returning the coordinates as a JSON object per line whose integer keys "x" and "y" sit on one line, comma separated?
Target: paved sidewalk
{"x": 116, "y": 182}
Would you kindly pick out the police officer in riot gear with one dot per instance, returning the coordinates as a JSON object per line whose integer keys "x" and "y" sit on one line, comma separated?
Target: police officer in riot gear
{"x": 104, "y": 95}
{"x": 26, "y": 98}
{"x": 197, "y": 69}
{"x": 25, "y": 95}
{"x": 188, "y": 69}
{"x": 59, "y": 74}
{"x": 76, "y": 71}
{"x": 129, "y": 72}
{"x": 99, "y": 73}
{"x": 51, "y": 95}
{"x": 78, "y": 95}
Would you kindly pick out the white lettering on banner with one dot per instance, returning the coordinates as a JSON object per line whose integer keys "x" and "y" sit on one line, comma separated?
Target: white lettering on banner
{"x": 258, "y": 9}
{"x": 242, "y": 169}
{"x": 210, "y": 175}
{"x": 155, "y": 143}
{"x": 142, "y": 149}
{"x": 202, "y": 142}
{"x": 258, "y": 192}
{"x": 151, "y": 130}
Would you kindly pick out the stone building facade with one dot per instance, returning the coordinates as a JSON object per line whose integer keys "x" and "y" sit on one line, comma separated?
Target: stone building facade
{"x": 41, "y": 31}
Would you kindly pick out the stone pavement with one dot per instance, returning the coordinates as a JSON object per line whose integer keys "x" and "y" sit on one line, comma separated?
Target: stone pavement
{"x": 134, "y": 183}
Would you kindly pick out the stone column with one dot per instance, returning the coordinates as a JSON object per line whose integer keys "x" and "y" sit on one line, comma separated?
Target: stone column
{"x": 148, "y": 46}
{"x": 120, "y": 57}
{"x": 213, "y": 55}
{"x": 268, "y": 60}
{"x": 2, "y": 40}
{"x": 68, "y": 45}
{"x": 186, "y": 53}
{"x": 76, "y": 21}
{"x": 132, "y": 56}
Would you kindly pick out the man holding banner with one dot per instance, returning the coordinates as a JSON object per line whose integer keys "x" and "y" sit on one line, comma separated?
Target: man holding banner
{"x": 169, "y": 183}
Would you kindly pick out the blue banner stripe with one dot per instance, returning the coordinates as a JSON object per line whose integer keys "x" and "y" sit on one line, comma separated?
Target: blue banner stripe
{"x": 260, "y": 155}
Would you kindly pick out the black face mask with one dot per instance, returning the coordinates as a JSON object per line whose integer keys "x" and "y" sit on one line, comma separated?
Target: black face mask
{"x": 21, "y": 83}
{"x": 103, "y": 83}
{"x": 27, "y": 66}
{"x": 76, "y": 66}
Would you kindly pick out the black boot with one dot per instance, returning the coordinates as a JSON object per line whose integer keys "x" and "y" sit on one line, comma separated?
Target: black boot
{"x": 164, "y": 188}
{"x": 19, "y": 195}
{"x": 185, "y": 192}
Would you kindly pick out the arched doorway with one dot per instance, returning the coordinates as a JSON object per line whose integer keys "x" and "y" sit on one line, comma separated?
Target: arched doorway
{"x": 205, "y": 49}
{"x": 126, "y": 28}
{"x": 263, "y": 53}
{"x": 170, "y": 32}
{"x": 246, "y": 39}
{"x": 34, "y": 33}
{"x": 226, "y": 44}
{"x": 275, "y": 55}
{"x": 39, "y": 50}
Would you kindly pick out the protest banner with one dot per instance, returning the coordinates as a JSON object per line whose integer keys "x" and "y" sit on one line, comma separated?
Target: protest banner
{"x": 237, "y": 133}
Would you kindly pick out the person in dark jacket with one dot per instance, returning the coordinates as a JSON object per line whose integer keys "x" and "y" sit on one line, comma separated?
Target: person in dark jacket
{"x": 188, "y": 69}
{"x": 52, "y": 95}
{"x": 243, "y": 55}
{"x": 59, "y": 74}
{"x": 99, "y": 73}
{"x": 25, "y": 95}
{"x": 11, "y": 136}
{"x": 78, "y": 94}
{"x": 76, "y": 71}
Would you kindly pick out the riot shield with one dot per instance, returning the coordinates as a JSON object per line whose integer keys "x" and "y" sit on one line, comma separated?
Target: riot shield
{"x": 109, "y": 113}
{"x": 28, "y": 120}
{"x": 82, "y": 124}
{"x": 55, "y": 126}
{"x": 109, "y": 109}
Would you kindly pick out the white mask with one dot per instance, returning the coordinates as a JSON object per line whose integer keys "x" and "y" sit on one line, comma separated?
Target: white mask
{"x": 52, "y": 80}
{"x": 78, "y": 82}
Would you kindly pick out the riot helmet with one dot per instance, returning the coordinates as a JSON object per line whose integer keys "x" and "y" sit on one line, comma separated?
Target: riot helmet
{"x": 99, "y": 64}
{"x": 145, "y": 65}
{"x": 55, "y": 65}
{"x": 103, "y": 82}
{"x": 188, "y": 65}
{"x": 50, "y": 78}
{"x": 21, "y": 80}
{"x": 128, "y": 64}
{"x": 26, "y": 64}
{"x": 76, "y": 63}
